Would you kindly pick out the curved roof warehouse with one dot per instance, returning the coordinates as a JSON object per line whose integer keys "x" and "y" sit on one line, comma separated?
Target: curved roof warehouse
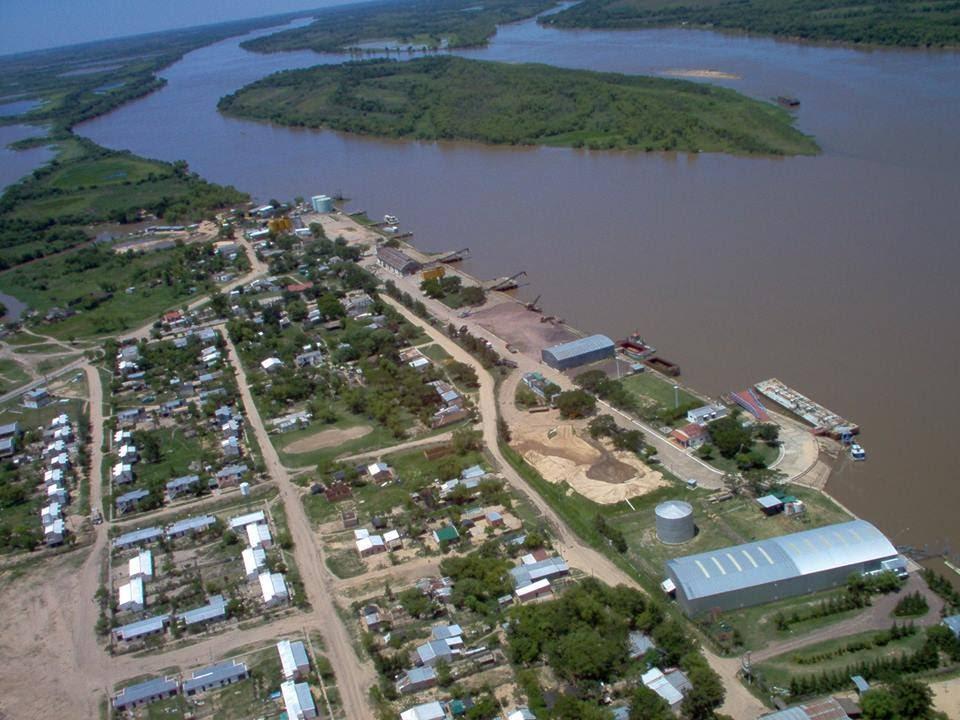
{"x": 578, "y": 352}
{"x": 781, "y": 567}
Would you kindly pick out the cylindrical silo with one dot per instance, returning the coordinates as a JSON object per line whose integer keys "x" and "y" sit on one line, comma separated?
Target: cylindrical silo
{"x": 675, "y": 522}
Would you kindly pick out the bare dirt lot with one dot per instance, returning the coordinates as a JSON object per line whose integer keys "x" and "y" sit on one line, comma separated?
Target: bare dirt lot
{"x": 336, "y": 225}
{"x": 521, "y": 328}
{"x": 327, "y": 438}
{"x": 562, "y": 454}
{"x": 37, "y": 618}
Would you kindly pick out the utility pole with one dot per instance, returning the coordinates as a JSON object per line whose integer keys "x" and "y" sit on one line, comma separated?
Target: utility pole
{"x": 676, "y": 396}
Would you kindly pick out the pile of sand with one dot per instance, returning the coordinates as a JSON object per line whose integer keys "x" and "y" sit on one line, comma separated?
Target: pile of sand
{"x": 597, "y": 473}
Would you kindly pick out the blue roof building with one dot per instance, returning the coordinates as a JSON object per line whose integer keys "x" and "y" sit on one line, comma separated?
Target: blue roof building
{"x": 781, "y": 567}
{"x": 215, "y": 676}
{"x": 145, "y": 692}
{"x": 215, "y": 609}
{"x": 137, "y": 537}
{"x": 578, "y": 352}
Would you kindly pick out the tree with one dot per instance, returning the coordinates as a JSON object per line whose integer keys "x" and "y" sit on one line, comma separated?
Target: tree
{"x": 707, "y": 693}
{"x": 575, "y": 404}
{"x": 465, "y": 439}
{"x": 729, "y": 436}
{"x": 602, "y": 425}
{"x": 472, "y": 295}
{"x": 647, "y": 705}
{"x": 769, "y": 433}
{"x": 878, "y": 705}
{"x": 913, "y": 698}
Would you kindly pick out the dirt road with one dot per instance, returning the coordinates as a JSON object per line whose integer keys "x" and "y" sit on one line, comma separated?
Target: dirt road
{"x": 877, "y": 617}
{"x": 354, "y": 676}
{"x": 739, "y": 703}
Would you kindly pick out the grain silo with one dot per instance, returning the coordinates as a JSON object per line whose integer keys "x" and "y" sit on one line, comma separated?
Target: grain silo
{"x": 675, "y": 522}
{"x": 322, "y": 203}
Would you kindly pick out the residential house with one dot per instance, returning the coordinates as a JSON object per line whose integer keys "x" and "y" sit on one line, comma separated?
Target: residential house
{"x": 144, "y": 693}
{"x": 311, "y": 358}
{"x": 273, "y": 588}
{"x": 230, "y": 447}
{"x": 54, "y": 533}
{"x": 128, "y": 501}
{"x": 521, "y": 713}
{"x": 122, "y": 473}
{"x": 639, "y": 644}
{"x": 141, "y": 628}
{"x": 258, "y": 535}
{"x": 294, "y": 662}
{"x": 190, "y": 525}
{"x": 392, "y": 540}
{"x": 690, "y": 436}
{"x": 298, "y": 700}
{"x": 533, "y": 590}
{"x": 427, "y": 711}
{"x": 57, "y": 494}
{"x": 417, "y": 679}
{"x": 671, "y": 686}
{"x": 36, "y": 398}
{"x": 180, "y": 486}
{"x": 356, "y": 302}
{"x": 446, "y": 534}
{"x": 368, "y": 544}
{"x": 214, "y": 610}
{"x": 271, "y": 364}
{"x": 230, "y": 475}
{"x": 379, "y": 472}
{"x": 129, "y": 418}
{"x": 138, "y": 537}
{"x": 371, "y": 618}
{"x": 141, "y": 566}
{"x": 130, "y": 597}
{"x": 254, "y": 560}
{"x": 241, "y": 521}
{"x": 215, "y": 676}
{"x": 432, "y": 652}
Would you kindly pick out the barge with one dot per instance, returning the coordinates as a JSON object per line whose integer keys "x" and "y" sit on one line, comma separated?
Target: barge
{"x": 824, "y": 422}
{"x": 662, "y": 365}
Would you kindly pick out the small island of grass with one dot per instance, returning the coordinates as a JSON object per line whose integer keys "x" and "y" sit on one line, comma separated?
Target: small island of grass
{"x": 450, "y": 98}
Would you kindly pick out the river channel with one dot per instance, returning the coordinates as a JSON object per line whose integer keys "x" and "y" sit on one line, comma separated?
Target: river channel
{"x": 838, "y": 274}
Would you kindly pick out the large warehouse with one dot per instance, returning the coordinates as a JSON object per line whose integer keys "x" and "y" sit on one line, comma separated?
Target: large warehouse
{"x": 578, "y": 352}
{"x": 781, "y": 567}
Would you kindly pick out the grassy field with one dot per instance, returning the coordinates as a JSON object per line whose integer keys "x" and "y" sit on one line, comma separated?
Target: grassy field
{"x": 178, "y": 451}
{"x": 345, "y": 563}
{"x": 912, "y": 23}
{"x": 435, "y": 353}
{"x": 757, "y": 625}
{"x": 378, "y": 437}
{"x": 94, "y": 281}
{"x": 12, "y": 375}
{"x": 779, "y": 670}
{"x": 651, "y": 389}
{"x": 319, "y": 509}
{"x": 450, "y": 98}
{"x": 718, "y": 524}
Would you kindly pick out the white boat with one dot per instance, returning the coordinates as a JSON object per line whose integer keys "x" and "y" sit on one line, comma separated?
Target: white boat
{"x": 857, "y": 452}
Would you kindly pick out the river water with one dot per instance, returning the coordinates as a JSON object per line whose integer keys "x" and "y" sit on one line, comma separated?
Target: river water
{"x": 837, "y": 274}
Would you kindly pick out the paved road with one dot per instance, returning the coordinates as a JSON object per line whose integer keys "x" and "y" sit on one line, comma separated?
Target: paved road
{"x": 354, "y": 676}
{"x": 739, "y": 702}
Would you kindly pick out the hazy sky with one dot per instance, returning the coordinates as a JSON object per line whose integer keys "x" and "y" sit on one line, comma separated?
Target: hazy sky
{"x": 35, "y": 24}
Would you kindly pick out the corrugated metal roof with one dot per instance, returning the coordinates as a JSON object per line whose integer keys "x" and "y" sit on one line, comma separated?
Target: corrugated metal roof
{"x": 142, "y": 627}
{"x": 215, "y": 674}
{"x": 215, "y": 608}
{"x": 576, "y": 348}
{"x": 144, "y": 691}
{"x": 774, "y": 559}
{"x": 136, "y": 536}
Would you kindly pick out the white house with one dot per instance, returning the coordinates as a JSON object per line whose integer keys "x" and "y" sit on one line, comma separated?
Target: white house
{"x": 293, "y": 659}
{"x": 298, "y": 700}
{"x": 427, "y": 711}
{"x": 258, "y": 535}
{"x": 141, "y": 566}
{"x": 130, "y": 596}
{"x": 254, "y": 560}
{"x": 122, "y": 473}
{"x": 271, "y": 364}
{"x": 273, "y": 588}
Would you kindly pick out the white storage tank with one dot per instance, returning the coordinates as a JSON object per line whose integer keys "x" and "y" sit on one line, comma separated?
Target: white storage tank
{"x": 245, "y": 489}
{"x": 675, "y": 522}
{"x": 321, "y": 203}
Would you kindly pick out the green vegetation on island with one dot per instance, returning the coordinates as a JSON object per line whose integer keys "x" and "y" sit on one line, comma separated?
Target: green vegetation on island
{"x": 75, "y": 83}
{"x": 51, "y": 210}
{"x": 417, "y": 24}
{"x": 905, "y": 23}
{"x": 450, "y": 98}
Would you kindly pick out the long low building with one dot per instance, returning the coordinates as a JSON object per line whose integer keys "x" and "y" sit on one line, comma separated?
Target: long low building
{"x": 578, "y": 352}
{"x": 780, "y": 567}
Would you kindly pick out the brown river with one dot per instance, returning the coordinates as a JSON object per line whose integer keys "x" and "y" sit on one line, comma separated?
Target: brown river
{"x": 839, "y": 274}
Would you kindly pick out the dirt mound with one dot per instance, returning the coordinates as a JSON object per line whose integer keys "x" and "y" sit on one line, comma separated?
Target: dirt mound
{"x": 327, "y": 438}
{"x": 596, "y": 472}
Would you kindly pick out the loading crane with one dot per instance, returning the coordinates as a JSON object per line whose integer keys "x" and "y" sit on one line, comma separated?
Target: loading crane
{"x": 455, "y": 256}
{"x": 533, "y": 307}
{"x": 507, "y": 283}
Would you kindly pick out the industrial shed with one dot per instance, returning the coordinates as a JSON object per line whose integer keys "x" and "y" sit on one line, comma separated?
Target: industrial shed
{"x": 782, "y": 567}
{"x": 578, "y": 352}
